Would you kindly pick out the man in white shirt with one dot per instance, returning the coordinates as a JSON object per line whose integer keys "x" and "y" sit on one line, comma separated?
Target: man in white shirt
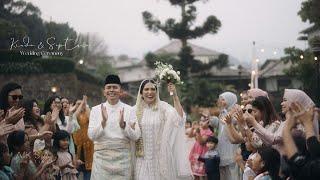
{"x": 112, "y": 131}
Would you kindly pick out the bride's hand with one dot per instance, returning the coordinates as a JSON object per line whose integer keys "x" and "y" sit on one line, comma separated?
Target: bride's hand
{"x": 172, "y": 88}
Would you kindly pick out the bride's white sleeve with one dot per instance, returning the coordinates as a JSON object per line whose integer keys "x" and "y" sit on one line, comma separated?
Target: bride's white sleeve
{"x": 178, "y": 143}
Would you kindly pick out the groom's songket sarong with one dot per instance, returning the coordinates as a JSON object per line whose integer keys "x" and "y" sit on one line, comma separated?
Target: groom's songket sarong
{"x": 112, "y": 160}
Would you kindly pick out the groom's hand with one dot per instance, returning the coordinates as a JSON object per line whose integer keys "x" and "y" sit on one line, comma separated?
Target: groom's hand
{"x": 104, "y": 116}
{"x": 122, "y": 123}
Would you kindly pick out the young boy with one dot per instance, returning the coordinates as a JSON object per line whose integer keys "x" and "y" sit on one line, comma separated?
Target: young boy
{"x": 211, "y": 159}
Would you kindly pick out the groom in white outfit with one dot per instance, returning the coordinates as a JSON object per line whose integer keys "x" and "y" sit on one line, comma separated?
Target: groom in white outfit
{"x": 111, "y": 131}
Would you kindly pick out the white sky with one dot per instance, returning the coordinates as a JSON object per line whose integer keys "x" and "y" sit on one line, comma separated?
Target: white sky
{"x": 273, "y": 24}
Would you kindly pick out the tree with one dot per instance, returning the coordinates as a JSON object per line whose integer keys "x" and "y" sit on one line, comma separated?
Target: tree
{"x": 62, "y": 31}
{"x": 310, "y": 12}
{"x": 103, "y": 69}
{"x": 304, "y": 69}
{"x": 221, "y": 62}
{"x": 96, "y": 52}
{"x": 183, "y": 30}
{"x": 19, "y": 18}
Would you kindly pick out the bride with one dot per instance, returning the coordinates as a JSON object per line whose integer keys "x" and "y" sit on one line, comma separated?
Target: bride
{"x": 161, "y": 151}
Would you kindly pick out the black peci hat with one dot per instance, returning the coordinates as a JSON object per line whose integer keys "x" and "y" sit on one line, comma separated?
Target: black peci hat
{"x": 112, "y": 79}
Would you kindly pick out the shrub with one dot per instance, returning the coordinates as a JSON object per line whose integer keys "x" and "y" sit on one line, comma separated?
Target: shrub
{"x": 20, "y": 68}
{"x": 7, "y": 56}
{"x": 85, "y": 76}
{"x": 55, "y": 65}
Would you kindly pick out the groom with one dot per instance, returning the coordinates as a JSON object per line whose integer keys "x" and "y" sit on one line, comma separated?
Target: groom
{"x": 111, "y": 131}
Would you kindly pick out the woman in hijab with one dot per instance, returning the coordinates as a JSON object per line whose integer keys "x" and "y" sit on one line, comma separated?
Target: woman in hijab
{"x": 226, "y": 149}
{"x": 290, "y": 96}
{"x": 253, "y": 93}
{"x": 161, "y": 151}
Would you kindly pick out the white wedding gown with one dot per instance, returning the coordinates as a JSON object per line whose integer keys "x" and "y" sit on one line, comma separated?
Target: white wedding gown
{"x": 165, "y": 148}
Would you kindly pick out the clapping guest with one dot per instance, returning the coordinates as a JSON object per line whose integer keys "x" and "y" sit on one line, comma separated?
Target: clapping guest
{"x": 22, "y": 161}
{"x": 6, "y": 172}
{"x": 10, "y": 96}
{"x": 35, "y": 126}
{"x": 66, "y": 162}
{"x": 302, "y": 165}
{"x": 65, "y": 106}
{"x": 226, "y": 149}
{"x": 200, "y": 148}
{"x": 68, "y": 123}
{"x": 85, "y": 146}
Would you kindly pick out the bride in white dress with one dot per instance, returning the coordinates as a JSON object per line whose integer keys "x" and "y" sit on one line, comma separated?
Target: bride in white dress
{"x": 161, "y": 151}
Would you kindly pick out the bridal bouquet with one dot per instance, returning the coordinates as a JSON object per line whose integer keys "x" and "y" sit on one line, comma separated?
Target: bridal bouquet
{"x": 165, "y": 72}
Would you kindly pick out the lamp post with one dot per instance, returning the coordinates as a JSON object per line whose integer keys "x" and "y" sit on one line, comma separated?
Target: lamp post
{"x": 54, "y": 90}
{"x": 315, "y": 48}
{"x": 254, "y": 68}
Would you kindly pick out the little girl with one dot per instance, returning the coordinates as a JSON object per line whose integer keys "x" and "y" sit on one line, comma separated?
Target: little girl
{"x": 65, "y": 160}
{"x": 199, "y": 148}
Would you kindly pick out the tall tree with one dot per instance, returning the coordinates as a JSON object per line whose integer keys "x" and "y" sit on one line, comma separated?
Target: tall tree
{"x": 310, "y": 12}
{"x": 183, "y": 30}
{"x": 96, "y": 52}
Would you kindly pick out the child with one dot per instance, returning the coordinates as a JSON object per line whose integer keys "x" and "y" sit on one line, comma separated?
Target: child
{"x": 211, "y": 159}
{"x": 64, "y": 161}
{"x": 266, "y": 164}
{"x": 22, "y": 161}
{"x": 199, "y": 148}
{"x": 188, "y": 125}
{"x": 45, "y": 155}
{"x": 6, "y": 172}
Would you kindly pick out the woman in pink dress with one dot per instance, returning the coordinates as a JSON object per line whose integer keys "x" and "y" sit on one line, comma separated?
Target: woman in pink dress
{"x": 199, "y": 148}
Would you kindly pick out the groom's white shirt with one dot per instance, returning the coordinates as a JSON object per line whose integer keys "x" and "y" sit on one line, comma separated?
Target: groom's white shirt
{"x": 112, "y": 130}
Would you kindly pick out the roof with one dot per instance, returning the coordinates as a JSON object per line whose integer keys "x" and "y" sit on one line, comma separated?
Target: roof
{"x": 174, "y": 48}
{"x": 273, "y": 67}
{"x": 123, "y": 63}
{"x": 135, "y": 73}
{"x": 227, "y": 71}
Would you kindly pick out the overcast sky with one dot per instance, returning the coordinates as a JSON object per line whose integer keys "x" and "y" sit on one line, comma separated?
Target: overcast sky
{"x": 273, "y": 24}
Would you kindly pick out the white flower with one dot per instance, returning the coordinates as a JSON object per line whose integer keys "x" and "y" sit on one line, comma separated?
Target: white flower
{"x": 166, "y": 70}
{"x": 178, "y": 72}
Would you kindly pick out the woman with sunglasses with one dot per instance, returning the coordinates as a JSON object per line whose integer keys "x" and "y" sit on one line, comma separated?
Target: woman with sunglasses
{"x": 290, "y": 96}
{"x": 10, "y": 96}
{"x": 263, "y": 116}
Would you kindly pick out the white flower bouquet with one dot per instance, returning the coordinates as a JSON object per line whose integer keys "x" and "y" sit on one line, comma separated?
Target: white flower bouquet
{"x": 165, "y": 72}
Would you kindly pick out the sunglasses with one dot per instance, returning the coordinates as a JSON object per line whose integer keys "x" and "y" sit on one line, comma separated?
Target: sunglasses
{"x": 249, "y": 110}
{"x": 15, "y": 97}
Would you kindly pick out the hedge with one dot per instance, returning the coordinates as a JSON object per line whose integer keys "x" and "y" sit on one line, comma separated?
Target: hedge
{"x": 85, "y": 76}
{"x": 20, "y": 68}
{"x": 56, "y": 65}
{"x": 40, "y": 65}
{"x": 7, "y": 56}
